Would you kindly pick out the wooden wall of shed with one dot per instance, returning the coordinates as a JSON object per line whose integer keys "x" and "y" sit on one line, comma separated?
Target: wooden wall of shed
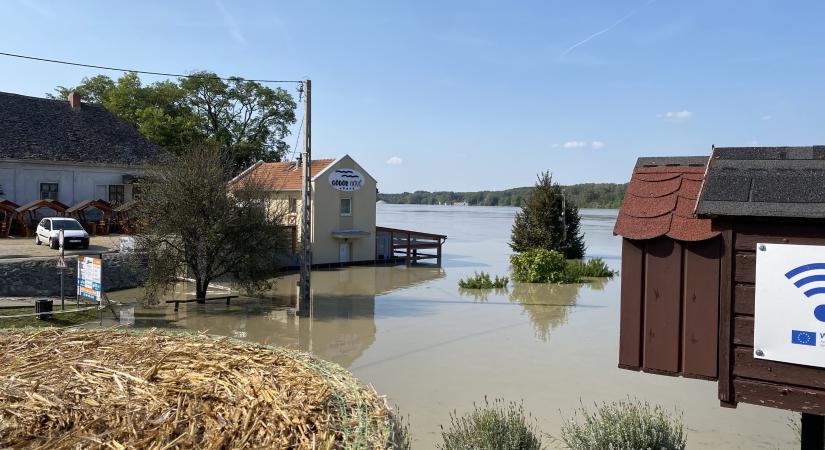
{"x": 742, "y": 378}
{"x": 670, "y": 307}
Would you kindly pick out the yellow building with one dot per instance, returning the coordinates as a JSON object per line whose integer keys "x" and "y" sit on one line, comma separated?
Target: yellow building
{"x": 342, "y": 206}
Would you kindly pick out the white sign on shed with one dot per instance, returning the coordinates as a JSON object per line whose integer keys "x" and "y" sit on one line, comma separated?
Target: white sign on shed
{"x": 790, "y": 304}
{"x": 346, "y": 180}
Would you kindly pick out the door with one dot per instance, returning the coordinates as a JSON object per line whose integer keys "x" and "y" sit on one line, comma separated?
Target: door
{"x": 343, "y": 252}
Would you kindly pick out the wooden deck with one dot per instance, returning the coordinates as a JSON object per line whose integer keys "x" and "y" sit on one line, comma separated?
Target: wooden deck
{"x": 412, "y": 246}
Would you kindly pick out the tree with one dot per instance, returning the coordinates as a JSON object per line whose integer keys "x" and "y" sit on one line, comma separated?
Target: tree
{"x": 248, "y": 120}
{"x": 542, "y": 222}
{"x": 192, "y": 224}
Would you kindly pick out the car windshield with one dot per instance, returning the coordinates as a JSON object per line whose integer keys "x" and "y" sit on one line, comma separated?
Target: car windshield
{"x": 66, "y": 225}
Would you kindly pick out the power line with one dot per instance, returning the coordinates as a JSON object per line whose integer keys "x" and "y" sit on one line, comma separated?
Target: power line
{"x": 145, "y": 72}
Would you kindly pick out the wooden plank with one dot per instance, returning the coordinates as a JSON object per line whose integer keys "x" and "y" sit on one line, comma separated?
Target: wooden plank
{"x": 748, "y": 234}
{"x": 746, "y": 366}
{"x": 700, "y": 316}
{"x": 630, "y": 328}
{"x": 743, "y": 330}
{"x": 743, "y": 299}
{"x": 662, "y": 305}
{"x": 725, "y": 386}
{"x": 745, "y": 270}
{"x": 793, "y": 398}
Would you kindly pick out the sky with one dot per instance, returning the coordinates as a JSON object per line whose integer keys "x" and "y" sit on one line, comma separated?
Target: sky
{"x": 471, "y": 95}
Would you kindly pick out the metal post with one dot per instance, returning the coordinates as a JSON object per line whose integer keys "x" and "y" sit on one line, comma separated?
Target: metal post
{"x": 813, "y": 432}
{"x": 306, "y": 207}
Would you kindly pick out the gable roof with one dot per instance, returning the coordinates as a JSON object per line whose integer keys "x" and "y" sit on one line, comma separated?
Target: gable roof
{"x": 281, "y": 176}
{"x": 765, "y": 182}
{"x": 50, "y": 130}
{"x": 660, "y": 199}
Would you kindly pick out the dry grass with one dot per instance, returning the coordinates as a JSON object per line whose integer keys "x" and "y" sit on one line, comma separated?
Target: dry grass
{"x": 62, "y": 388}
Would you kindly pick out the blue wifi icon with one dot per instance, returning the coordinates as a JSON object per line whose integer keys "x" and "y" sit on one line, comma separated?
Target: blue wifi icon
{"x": 802, "y": 283}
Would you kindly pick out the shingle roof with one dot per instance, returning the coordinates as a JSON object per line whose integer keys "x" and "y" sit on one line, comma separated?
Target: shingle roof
{"x": 765, "y": 182}
{"x": 34, "y": 128}
{"x": 660, "y": 198}
{"x": 282, "y": 176}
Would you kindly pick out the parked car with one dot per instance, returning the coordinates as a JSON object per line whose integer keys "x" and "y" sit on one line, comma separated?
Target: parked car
{"x": 48, "y": 231}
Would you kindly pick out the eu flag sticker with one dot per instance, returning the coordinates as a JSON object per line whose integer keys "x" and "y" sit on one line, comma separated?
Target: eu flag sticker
{"x": 803, "y": 337}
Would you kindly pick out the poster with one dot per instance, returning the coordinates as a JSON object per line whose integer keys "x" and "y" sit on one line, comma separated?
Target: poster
{"x": 89, "y": 278}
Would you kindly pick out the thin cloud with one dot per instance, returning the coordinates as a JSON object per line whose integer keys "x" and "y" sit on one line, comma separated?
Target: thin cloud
{"x": 677, "y": 116}
{"x": 395, "y": 161}
{"x": 603, "y": 31}
{"x": 598, "y": 144}
{"x": 234, "y": 30}
{"x": 574, "y": 144}
{"x": 767, "y": 117}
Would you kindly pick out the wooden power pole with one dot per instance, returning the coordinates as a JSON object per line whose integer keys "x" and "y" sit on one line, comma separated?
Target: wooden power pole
{"x": 306, "y": 207}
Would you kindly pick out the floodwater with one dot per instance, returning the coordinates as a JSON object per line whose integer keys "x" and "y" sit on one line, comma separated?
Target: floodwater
{"x": 432, "y": 348}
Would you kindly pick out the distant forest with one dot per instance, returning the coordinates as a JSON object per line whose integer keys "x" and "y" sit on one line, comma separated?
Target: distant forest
{"x": 586, "y": 195}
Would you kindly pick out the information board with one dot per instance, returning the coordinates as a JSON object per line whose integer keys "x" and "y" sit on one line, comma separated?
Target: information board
{"x": 89, "y": 278}
{"x": 346, "y": 180}
{"x": 789, "y": 322}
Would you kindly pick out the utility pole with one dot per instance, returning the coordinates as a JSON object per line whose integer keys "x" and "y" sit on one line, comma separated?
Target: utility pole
{"x": 306, "y": 207}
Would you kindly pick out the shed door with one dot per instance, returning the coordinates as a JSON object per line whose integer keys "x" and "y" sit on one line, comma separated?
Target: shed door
{"x": 343, "y": 252}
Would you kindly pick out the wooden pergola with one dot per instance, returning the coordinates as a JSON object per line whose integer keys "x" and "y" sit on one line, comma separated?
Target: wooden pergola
{"x": 27, "y": 214}
{"x": 7, "y": 211}
{"x": 125, "y": 217}
{"x": 95, "y": 227}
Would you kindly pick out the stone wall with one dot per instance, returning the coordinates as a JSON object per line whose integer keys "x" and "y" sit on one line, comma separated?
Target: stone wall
{"x": 40, "y": 276}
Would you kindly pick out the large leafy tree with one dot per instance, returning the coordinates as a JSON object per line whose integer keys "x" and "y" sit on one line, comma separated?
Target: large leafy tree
{"x": 547, "y": 221}
{"x": 192, "y": 225}
{"x": 248, "y": 120}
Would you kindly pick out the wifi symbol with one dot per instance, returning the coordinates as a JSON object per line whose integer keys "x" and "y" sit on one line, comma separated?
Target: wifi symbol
{"x": 802, "y": 283}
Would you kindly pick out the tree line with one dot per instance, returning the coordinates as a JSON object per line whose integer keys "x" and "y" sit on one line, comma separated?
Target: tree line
{"x": 585, "y": 195}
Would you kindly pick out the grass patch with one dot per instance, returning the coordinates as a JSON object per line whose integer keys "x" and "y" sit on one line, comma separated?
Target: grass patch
{"x": 494, "y": 426}
{"x": 56, "y": 320}
{"x": 627, "y": 424}
{"x": 549, "y": 266}
{"x": 483, "y": 281}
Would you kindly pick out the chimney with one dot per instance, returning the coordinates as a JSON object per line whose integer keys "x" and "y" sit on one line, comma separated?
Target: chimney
{"x": 74, "y": 100}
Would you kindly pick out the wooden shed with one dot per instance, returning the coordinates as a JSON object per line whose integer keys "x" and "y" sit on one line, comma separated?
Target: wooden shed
{"x": 28, "y": 217}
{"x": 770, "y": 195}
{"x": 99, "y": 221}
{"x": 670, "y": 271}
{"x": 7, "y": 211}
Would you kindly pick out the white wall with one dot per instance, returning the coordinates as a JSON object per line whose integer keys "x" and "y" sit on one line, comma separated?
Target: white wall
{"x": 20, "y": 181}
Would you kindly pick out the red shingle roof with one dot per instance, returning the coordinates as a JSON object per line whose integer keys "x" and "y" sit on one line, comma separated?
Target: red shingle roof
{"x": 660, "y": 200}
{"x": 282, "y": 176}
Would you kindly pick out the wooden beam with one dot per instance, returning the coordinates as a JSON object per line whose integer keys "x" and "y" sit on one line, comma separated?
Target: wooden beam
{"x": 725, "y": 387}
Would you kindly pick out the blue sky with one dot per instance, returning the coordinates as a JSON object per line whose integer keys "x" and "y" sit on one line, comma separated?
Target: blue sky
{"x": 472, "y": 95}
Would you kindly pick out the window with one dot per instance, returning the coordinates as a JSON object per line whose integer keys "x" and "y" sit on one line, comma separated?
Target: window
{"x": 346, "y": 206}
{"x": 293, "y": 205}
{"x": 116, "y": 194}
{"x": 48, "y": 191}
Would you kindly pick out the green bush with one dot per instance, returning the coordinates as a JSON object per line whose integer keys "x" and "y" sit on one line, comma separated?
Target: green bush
{"x": 496, "y": 426}
{"x": 541, "y": 266}
{"x": 483, "y": 281}
{"x": 624, "y": 425}
{"x": 594, "y": 268}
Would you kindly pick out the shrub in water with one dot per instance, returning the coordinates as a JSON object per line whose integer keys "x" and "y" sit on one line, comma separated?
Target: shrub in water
{"x": 594, "y": 268}
{"x": 483, "y": 281}
{"x": 496, "y": 426}
{"x": 623, "y": 426}
{"x": 541, "y": 266}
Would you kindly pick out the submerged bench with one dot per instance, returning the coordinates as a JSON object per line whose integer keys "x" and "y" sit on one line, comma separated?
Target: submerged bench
{"x": 193, "y": 300}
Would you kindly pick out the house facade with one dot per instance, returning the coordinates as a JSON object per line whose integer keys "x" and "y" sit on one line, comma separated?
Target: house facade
{"x": 68, "y": 151}
{"x": 342, "y": 209}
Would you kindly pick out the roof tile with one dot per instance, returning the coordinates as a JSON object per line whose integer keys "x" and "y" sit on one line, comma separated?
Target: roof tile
{"x": 283, "y": 176}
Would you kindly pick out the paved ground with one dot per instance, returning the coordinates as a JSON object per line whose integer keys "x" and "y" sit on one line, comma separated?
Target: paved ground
{"x": 19, "y": 247}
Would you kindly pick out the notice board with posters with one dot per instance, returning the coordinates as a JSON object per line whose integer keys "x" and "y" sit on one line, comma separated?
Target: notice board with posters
{"x": 89, "y": 278}
{"x": 789, "y": 314}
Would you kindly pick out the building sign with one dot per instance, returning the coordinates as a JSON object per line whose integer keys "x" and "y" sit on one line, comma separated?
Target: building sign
{"x": 789, "y": 322}
{"x": 346, "y": 180}
{"x": 89, "y": 280}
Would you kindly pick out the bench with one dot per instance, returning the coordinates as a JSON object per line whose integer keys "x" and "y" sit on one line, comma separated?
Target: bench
{"x": 193, "y": 300}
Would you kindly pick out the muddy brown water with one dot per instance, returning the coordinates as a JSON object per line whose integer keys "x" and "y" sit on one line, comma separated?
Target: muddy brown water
{"x": 433, "y": 348}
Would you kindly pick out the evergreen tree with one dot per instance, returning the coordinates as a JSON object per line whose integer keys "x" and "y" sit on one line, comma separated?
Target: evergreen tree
{"x": 541, "y": 224}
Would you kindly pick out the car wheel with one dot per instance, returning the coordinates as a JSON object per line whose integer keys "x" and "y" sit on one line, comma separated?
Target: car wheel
{"x": 53, "y": 244}
{"x": 37, "y": 240}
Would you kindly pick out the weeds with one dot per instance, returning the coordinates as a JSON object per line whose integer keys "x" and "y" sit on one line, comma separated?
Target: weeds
{"x": 493, "y": 426}
{"x": 483, "y": 281}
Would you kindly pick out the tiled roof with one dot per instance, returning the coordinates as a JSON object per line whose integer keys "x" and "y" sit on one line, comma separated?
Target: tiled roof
{"x": 765, "y": 182}
{"x": 660, "y": 199}
{"x": 282, "y": 176}
{"x": 42, "y": 129}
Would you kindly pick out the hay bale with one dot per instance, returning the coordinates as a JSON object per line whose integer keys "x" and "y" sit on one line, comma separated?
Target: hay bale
{"x": 63, "y": 388}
